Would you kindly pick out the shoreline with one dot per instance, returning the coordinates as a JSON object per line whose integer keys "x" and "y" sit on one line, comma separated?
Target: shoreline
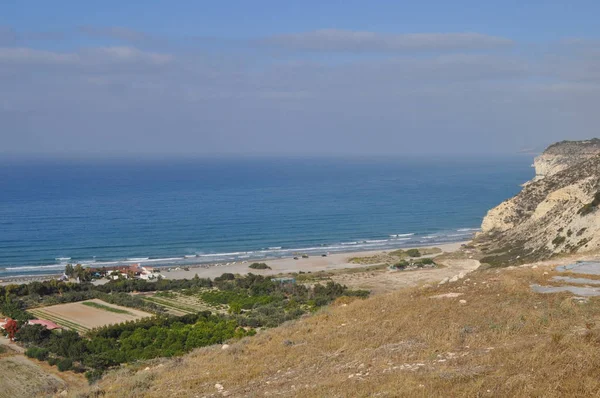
{"x": 278, "y": 265}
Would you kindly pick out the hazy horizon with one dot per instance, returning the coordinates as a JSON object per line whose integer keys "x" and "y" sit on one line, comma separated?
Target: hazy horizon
{"x": 113, "y": 80}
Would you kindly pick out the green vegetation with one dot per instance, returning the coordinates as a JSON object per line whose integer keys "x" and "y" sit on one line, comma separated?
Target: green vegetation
{"x": 106, "y": 307}
{"x": 558, "y": 240}
{"x": 413, "y": 253}
{"x": 252, "y": 301}
{"x": 259, "y": 266}
{"x": 403, "y": 264}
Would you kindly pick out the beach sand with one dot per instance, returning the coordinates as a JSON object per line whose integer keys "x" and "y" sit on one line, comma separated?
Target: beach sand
{"x": 278, "y": 266}
{"x": 289, "y": 265}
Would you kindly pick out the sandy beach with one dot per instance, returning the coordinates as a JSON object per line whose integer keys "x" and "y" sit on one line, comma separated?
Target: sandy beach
{"x": 288, "y": 265}
{"x": 278, "y": 266}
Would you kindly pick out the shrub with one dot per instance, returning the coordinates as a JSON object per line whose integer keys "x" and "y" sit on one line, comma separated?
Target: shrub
{"x": 93, "y": 376}
{"x": 413, "y": 253}
{"x": 259, "y": 266}
{"x": 65, "y": 364}
{"x": 401, "y": 265}
{"x": 40, "y": 354}
{"x": 558, "y": 240}
{"x": 225, "y": 277}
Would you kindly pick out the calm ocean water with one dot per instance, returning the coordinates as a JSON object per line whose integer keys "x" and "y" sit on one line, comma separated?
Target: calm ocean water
{"x": 190, "y": 211}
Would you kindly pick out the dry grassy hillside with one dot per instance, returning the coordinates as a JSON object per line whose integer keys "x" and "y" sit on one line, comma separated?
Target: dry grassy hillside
{"x": 489, "y": 335}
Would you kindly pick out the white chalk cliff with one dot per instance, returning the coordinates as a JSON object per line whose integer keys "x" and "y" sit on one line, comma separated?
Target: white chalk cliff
{"x": 555, "y": 213}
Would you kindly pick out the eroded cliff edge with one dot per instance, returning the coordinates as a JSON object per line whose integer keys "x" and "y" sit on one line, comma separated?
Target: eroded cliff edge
{"x": 555, "y": 213}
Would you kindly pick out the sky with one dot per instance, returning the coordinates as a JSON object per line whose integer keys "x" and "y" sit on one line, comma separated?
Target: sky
{"x": 115, "y": 78}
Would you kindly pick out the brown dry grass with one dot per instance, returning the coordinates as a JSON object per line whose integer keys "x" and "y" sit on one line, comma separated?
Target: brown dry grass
{"x": 505, "y": 341}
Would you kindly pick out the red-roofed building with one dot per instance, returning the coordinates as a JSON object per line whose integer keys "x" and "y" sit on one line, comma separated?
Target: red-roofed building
{"x": 48, "y": 324}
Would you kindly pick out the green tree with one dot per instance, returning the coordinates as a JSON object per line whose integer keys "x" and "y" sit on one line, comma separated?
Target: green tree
{"x": 69, "y": 270}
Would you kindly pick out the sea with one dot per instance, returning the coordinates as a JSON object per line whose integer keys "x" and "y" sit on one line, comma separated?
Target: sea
{"x": 165, "y": 212}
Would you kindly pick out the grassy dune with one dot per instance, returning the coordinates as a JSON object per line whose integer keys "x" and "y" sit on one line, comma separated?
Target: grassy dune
{"x": 502, "y": 340}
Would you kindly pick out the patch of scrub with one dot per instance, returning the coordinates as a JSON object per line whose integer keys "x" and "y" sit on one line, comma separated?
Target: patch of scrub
{"x": 583, "y": 267}
{"x": 580, "y": 281}
{"x": 580, "y": 291}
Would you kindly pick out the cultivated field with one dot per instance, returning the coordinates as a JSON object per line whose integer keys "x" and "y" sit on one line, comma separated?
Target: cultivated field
{"x": 85, "y": 315}
{"x": 179, "y": 304}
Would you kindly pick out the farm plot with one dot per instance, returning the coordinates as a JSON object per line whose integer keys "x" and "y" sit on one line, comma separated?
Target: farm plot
{"x": 179, "y": 304}
{"x": 85, "y": 315}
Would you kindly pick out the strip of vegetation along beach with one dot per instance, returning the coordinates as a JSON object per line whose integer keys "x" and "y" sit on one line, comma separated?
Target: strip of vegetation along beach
{"x": 238, "y": 306}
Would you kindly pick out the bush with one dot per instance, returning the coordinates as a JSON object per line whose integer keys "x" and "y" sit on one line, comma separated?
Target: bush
{"x": 40, "y": 354}
{"x": 427, "y": 261}
{"x": 413, "y": 253}
{"x": 225, "y": 277}
{"x": 259, "y": 266}
{"x": 558, "y": 240}
{"x": 65, "y": 364}
{"x": 93, "y": 376}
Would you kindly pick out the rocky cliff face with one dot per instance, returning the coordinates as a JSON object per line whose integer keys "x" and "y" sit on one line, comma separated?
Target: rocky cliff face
{"x": 555, "y": 213}
{"x": 563, "y": 155}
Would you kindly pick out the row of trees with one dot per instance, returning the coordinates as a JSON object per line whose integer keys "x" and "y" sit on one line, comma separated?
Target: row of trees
{"x": 112, "y": 345}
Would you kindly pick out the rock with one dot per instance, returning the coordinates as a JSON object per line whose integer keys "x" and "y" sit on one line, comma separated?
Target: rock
{"x": 225, "y": 346}
{"x": 461, "y": 275}
{"x": 454, "y": 279}
{"x": 463, "y": 301}
{"x": 219, "y": 387}
{"x": 448, "y": 295}
{"x": 148, "y": 368}
{"x": 534, "y": 267}
{"x": 444, "y": 281}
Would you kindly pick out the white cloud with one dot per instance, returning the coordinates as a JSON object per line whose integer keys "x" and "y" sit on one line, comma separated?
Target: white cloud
{"x": 86, "y": 57}
{"x": 32, "y": 56}
{"x": 357, "y": 41}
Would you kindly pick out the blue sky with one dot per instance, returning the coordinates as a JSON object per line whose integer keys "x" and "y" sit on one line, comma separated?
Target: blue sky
{"x": 531, "y": 20}
{"x": 343, "y": 77}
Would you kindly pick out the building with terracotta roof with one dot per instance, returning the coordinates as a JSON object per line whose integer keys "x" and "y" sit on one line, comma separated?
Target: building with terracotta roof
{"x": 47, "y": 324}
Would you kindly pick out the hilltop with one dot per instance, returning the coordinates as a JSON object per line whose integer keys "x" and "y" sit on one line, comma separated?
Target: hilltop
{"x": 555, "y": 214}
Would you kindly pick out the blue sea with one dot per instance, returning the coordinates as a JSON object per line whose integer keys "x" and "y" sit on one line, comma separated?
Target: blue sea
{"x": 164, "y": 212}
